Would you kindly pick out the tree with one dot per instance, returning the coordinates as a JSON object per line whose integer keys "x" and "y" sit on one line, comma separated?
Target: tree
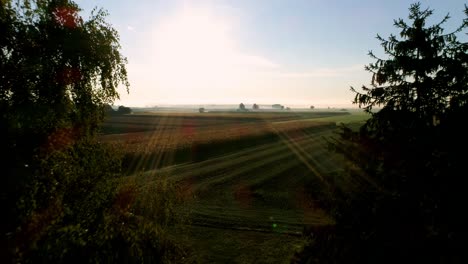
{"x": 277, "y": 106}
{"x": 400, "y": 198}
{"x": 241, "y": 107}
{"x": 123, "y": 110}
{"x": 56, "y": 66}
{"x": 255, "y": 107}
{"x": 425, "y": 74}
{"x": 201, "y": 110}
{"x": 58, "y": 75}
{"x": 108, "y": 110}
{"x": 312, "y": 107}
{"x": 58, "y": 72}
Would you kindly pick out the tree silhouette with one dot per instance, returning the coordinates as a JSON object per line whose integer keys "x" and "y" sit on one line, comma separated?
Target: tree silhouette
{"x": 108, "y": 109}
{"x": 241, "y": 106}
{"x": 123, "y": 110}
{"x": 277, "y": 106}
{"x": 425, "y": 73}
{"x": 400, "y": 199}
{"x": 255, "y": 107}
{"x": 58, "y": 75}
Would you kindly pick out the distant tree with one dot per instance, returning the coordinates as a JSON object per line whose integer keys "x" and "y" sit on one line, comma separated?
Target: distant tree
{"x": 282, "y": 107}
{"x": 123, "y": 110}
{"x": 255, "y": 107}
{"x": 277, "y": 106}
{"x": 201, "y": 110}
{"x": 312, "y": 107}
{"x": 108, "y": 109}
{"x": 402, "y": 195}
{"x": 287, "y": 108}
{"x": 241, "y": 107}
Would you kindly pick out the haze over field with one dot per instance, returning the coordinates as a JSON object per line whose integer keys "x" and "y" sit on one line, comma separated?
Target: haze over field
{"x": 265, "y": 52}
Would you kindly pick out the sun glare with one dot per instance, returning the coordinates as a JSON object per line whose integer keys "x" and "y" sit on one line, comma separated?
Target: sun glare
{"x": 193, "y": 49}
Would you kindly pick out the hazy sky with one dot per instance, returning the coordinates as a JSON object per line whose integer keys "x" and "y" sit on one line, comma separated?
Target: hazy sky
{"x": 253, "y": 51}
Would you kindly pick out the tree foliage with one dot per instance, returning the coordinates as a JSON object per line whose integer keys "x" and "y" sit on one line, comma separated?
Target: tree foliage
{"x": 61, "y": 190}
{"x": 400, "y": 198}
{"x": 57, "y": 69}
{"x": 424, "y": 74}
{"x": 57, "y": 72}
{"x": 77, "y": 207}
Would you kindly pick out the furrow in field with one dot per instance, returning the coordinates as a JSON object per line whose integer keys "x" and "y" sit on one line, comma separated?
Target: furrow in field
{"x": 220, "y": 165}
{"x": 252, "y": 166}
{"x": 220, "y": 181}
{"x": 265, "y": 219}
{"x": 259, "y": 218}
{"x": 270, "y": 165}
{"x": 247, "y": 170}
{"x": 314, "y": 161}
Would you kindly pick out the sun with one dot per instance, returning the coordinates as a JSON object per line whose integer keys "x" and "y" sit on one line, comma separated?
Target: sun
{"x": 193, "y": 49}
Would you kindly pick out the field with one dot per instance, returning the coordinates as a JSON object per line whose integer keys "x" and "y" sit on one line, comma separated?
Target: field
{"x": 252, "y": 181}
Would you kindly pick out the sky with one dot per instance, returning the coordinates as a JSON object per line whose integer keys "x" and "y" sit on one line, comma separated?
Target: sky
{"x": 292, "y": 52}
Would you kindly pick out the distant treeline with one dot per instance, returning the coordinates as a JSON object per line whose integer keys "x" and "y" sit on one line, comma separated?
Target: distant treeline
{"x": 122, "y": 110}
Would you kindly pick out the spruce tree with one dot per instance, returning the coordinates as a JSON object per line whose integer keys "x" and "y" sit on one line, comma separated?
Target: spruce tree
{"x": 401, "y": 196}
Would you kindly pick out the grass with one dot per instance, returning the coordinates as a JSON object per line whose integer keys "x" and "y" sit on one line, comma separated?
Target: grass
{"x": 351, "y": 117}
{"x": 214, "y": 245}
{"x": 251, "y": 182}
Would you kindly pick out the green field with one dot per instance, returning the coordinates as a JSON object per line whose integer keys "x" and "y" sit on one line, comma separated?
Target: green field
{"x": 251, "y": 181}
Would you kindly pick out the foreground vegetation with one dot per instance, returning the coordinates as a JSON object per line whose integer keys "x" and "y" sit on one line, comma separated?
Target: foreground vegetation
{"x": 403, "y": 194}
{"x": 63, "y": 193}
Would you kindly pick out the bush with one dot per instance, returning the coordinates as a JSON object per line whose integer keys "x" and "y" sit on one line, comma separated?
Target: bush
{"x": 78, "y": 206}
